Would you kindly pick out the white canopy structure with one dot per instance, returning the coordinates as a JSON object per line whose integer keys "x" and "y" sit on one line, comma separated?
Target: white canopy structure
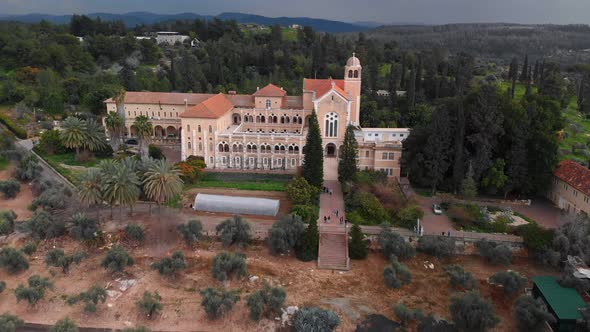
{"x": 236, "y": 204}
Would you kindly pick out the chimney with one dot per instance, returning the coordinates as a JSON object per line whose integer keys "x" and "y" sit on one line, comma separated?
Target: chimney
{"x": 257, "y": 88}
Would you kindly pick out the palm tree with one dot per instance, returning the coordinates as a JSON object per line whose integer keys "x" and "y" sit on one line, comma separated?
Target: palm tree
{"x": 114, "y": 124}
{"x": 162, "y": 182}
{"x": 143, "y": 130}
{"x": 106, "y": 169}
{"x": 121, "y": 186}
{"x": 73, "y": 135}
{"x": 90, "y": 189}
{"x": 95, "y": 139}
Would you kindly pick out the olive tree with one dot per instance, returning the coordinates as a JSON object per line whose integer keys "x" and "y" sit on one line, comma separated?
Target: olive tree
{"x": 284, "y": 234}
{"x": 530, "y": 313}
{"x": 510, "y": 281}
{"x": 91, "y": 298}
{"x": 405, "y": 314}
{"x": 9, "y": 188}
{"x": 394, "y": 244}
{"x": 234, "y": 231}
{"x": 396, "y": 274}
{"x": 117, "y": 259}
{"x": 43, "y": 225}
{"x": 58, "y": 258}
{"x": 9, "y": 323}
{"x": 471, "y": 312}
{"x": 218, "y": 301}
{"x": 191, "y": 232}
{"x": 7, "y": 219}
{"x": 170, "y": 265}
{"x": 437, "y": 246}
{"x": 266, "y": 302}
{"x": 315, "y": 319}
{"x": 495, "y": 253}
{"x": 459, "y": 277}
{"x": 35, "y": 291}
{"x": 227, "y": 264}
{"x": 150, "y": 304}
{"x": 64, "y": 325}
{"x": 13, "y": 260}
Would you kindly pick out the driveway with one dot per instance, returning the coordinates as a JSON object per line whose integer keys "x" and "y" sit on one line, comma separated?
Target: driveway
{"x": 432, "y": 223}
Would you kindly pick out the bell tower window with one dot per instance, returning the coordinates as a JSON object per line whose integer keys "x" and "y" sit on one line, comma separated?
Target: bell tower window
{"x": 350, "y": 73}
{"x": 268, "y": 104}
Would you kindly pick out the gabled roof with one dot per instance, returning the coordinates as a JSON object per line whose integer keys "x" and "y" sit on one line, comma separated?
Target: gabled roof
{"x": 323, "y": 86}
{"x": 575, "y": 175}
{"x": 270, "y": 90}
{"x": 164, "y": 98}
{"x": 564, "y": 302}
{"x": 212, "y": 108}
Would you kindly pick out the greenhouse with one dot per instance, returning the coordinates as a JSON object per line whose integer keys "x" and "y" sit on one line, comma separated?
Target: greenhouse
{"x": 236, "y": 204}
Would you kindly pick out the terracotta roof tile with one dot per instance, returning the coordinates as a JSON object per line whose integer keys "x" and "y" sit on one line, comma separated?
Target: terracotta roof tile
{"x": 165, "y": 98}
{"x": 270, "y": 90}
{"x": 575, "y": 175}
{"x": 323, "y": 86}
{"x": 212, "y": 108}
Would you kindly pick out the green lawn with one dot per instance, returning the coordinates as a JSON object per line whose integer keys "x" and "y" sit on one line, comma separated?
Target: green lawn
{"x": 573, "y": 117}
{"x": 519, "y": 89}
{"x": 243, "y": 181}
{"x": 70, "y": 159}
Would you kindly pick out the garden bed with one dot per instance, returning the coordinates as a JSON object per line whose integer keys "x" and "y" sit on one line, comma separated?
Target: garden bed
{"x": 242, "y": 181}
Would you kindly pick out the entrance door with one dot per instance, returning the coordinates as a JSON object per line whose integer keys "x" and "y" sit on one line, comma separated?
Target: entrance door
{"x": 331, "y": 150}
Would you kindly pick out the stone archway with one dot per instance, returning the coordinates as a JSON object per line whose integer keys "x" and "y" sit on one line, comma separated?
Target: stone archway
{"x": 170, "y": 132}
{"x": 159, "y": 132}
{"x": 330, "y": 150}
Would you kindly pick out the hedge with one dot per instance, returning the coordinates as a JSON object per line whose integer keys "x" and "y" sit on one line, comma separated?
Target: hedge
{"x": 16, "y": 129}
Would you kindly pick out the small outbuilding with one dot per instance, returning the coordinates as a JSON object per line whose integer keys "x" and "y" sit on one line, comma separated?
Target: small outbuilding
{"x": 562, "y": 302}
{"x": 236, "y": 204}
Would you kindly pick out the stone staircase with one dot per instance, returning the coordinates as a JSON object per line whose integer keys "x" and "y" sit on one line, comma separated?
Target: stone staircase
{"x": 333, "y": 248}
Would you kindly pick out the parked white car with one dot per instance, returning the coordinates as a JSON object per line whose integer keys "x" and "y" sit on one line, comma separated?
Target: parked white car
{"x": 436, "y": 209}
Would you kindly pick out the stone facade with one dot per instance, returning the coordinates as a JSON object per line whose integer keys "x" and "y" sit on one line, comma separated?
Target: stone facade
{"x": 266, "y": 130}
{"x": 570, "y": 189}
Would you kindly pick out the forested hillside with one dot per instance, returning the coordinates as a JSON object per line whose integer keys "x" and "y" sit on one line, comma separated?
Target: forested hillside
{"x": 467, "y": 123}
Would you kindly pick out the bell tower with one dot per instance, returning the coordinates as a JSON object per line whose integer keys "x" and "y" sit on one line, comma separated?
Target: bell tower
{"x": 352, "y": 86}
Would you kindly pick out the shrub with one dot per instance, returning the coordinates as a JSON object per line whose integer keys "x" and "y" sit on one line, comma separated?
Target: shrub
{"x": 396, "y": 274}
{"x": 394, "y": 244}
{"x": 306, "y": 212}
{"x": 91, "y": 298}
{"x": 9, "y": 188}
{"x": 117, "y": 259}
{"x": 12, "y": 260}
{"x": 9, "y": 323}
{"x": 83, "y": 228}
{"x": 50, "y": 143}
{"x": 190, "y": 169}
{"x": 405, "y": 314}
{"x": 227, "y": 264}
{"x": 234, "y": 231}
{"x": 191, "y": 231}
{"x": 28, "y": 168}
{"x": 438, "y": 246}
{"x": 29, "y": 248}
{"x": 134, "y": 232}
{"x": 2, "y": 286}
{"x": 64, "y": 325}
{"x": 266, "y": 302}
{"x": 493, "y": 252}
{"x": 17, "y": 130}
{"x": 54, "y": 196}
{"x": 36, "y": 290}
{"x": 42, "y": 226}
{"x": 218, "y": 301}
{"x": 369, "y": 207}
{"x": 531, "y": 313}
{"x": 471, "y": 312}
{"x": 307, "y": 248}
{"x": 284, "y": 234}
{"x": 7, "y": 219}
{"x": 150, "y": 304}
{"x": 57, "y": 258}
{"x": 406, "y": 217}
{"x": 155, "y": 152}
{"x": 510, "y": 281}
{"x": 548, "y": 257}
{"x": 460, "y": 277}
{"x": 357, "y": 244}
{"x": 535, "y": 237}
{"x": 300, "y": 192}
{"x": 315, "y": 319}
{"x": 169, "y": 266}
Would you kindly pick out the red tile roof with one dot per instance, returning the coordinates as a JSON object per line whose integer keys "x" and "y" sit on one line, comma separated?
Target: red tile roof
{"x": 575, "y": 175}
{"x": 211, "y": 108}
{"x": 164, "y": 98}
{"x": 323, "y": 86}
{"x": 270, "y": 90}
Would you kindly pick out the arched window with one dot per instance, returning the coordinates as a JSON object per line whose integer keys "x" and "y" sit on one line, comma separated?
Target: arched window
{"x": 210, "y": 129}
{"x": 350, "y": 73}
{"x": 226, "y": 148}
{"x": 189, "y": 145}
{"x": 262, "y": 120}
{"x": 356, "y": 74}
{"x": 268, "y": 103}
{"x": 220, "y": 147}
{"x": 188, "y": 128}
{"x": 199, "y": 128}
{"x": 331, "y": 128}
{"x": 210, "y": 146}
{"x": 200, "y": 146}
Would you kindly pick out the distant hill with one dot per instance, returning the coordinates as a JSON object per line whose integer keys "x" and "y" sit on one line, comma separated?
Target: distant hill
{"x": 135, "y": 18}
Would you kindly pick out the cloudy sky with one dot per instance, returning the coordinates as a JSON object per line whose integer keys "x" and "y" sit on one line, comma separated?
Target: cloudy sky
{"x": 415, "y": 11}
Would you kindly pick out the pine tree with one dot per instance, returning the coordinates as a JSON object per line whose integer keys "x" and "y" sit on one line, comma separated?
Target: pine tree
{"x": 348, "y": 163}
{"x": 524, "y": 75}
{"x": 392, "y": 87}
{"x": 536, "y": 72}
{"x": 307, "y": 248}
{"x": 412, "y": 90}
{"x": 513, "y": 75}
{"x": 357, "y": 244}
{"x": 469, "y": 187}
{"x": 313, "y": 156}
{"x": 418, "y": 79}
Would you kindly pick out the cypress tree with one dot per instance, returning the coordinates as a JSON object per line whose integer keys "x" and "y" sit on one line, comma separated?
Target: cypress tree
{"x": 584, "y": 95}
{"x": 392, "y": 87}
{"x": 357, "y": 244}
{"x": 536, "y": 72}
{"x": 348, "y": 164}
{"x": 524, "y": 75}
{"x": 513, "y": 74}
{"x": 412, "y": 90}
{"x": 313, "y": 156}
{"x": 307, "y": 248}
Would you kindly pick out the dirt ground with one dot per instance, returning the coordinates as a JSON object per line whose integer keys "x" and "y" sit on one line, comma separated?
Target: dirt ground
{"x": 20, "y": 203}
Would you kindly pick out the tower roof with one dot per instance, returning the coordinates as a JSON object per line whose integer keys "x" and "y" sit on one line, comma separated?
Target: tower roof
{"x": 270, "y": 90}
{"x": 212, "y": 108}
{"x": 353, "y": 61}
